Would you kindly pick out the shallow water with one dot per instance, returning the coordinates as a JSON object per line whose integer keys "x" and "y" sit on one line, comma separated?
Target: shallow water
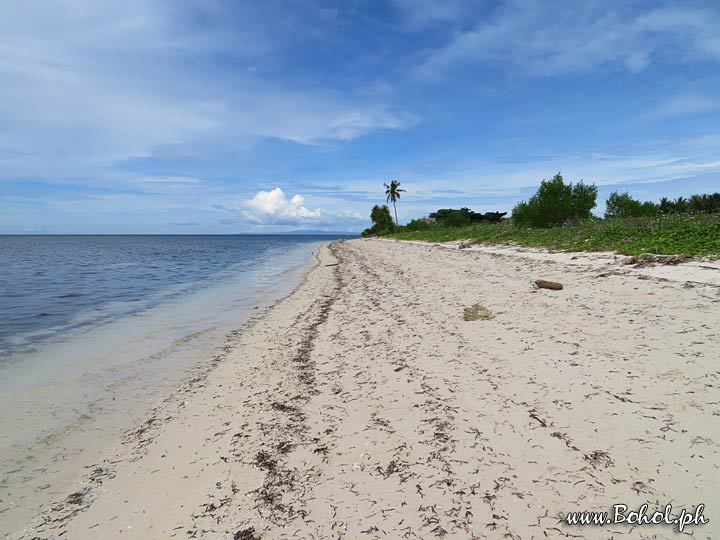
{"x": 96, "y": 329}
{"x": 50, "y": 285}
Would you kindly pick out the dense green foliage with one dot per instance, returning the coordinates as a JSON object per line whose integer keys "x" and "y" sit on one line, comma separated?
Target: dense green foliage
{"x": 418, "y": 225}
{"x": 382, "y": 221}
{"x": 556, "y": 203}
{"x": 706, "y": 204}
{"x": 472, "y": 217}
{"x": 688, "y": 234}
{"x": 457, "y": 218}
{"x": 623, "y": 205}
{"x": 559, "y": 217}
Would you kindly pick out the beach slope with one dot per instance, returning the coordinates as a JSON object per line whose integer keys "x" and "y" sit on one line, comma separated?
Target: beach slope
{"x": 364, "y": 405}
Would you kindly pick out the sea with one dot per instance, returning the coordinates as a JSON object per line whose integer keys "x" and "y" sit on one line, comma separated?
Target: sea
{"x": 95, "y": 330}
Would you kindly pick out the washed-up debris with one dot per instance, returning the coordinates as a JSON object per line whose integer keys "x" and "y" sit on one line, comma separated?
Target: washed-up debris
{"x": 477, "y": 313}
{"x": 263, "y": 460}
{"x": 246, "y": 534}
{"x": 552, "y": 285}
{"x": 599, "y": 459}
{"x": 649, "y": 259}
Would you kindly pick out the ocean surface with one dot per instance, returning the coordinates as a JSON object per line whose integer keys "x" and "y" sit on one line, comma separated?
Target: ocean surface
{"x": 53, "y": 285}
{"x": 95, "y": 329}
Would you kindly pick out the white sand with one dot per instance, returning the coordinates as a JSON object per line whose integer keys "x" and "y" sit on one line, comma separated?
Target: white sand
{"x": 364, "y": 406}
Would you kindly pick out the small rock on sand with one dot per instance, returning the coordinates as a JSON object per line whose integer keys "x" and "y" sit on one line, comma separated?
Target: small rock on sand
{"x": 477, "y": 313}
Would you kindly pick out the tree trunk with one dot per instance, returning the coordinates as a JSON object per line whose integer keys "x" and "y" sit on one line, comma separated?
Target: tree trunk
{"x": 396, "y": 221}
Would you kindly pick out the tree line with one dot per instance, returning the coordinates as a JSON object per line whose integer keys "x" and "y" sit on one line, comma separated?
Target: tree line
{"x": 555, "y": 203}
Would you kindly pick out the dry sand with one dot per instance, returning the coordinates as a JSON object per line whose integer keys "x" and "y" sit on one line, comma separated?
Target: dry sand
{"x": 364, "y": 406}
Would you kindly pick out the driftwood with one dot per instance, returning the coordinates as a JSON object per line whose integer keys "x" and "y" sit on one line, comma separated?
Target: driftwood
{"x": 553, "y": 285}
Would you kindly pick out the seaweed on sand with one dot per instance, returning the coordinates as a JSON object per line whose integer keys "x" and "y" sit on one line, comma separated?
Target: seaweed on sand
{"x": 246, "y": 534}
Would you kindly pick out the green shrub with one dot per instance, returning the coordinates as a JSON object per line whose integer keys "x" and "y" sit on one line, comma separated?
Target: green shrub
{"x": 417, "y": 225}
{"x": 442, "y": 213}
{"x": 382, "y": 221}
{"x": 623, "y": 205}
{"x": 457, "y": 218}
{"x": 493, "y": 217}
{"x": 556, "y": 203}
{"x": 475, "y": 217}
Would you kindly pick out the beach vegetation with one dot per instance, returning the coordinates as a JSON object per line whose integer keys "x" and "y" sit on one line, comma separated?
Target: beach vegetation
{"x": 559, "y": 217}
{"x": 382, "y": 222}
{"x": 418, "y": 225}
{"x": 468, "y": 216}
{"x": 457, "y": 218}
{"x": 392, "y": 193}
{"x": 556, "y": 203}
{"x": 699, "y": 203}
{"x": 624, "y": 205}
{"x": 686, "y": 234}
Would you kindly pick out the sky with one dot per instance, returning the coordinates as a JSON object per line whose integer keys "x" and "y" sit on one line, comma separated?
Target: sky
{"x": 212, "y": 116}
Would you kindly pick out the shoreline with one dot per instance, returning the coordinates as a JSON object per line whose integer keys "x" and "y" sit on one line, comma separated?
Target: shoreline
{"x": 363, "y": 405}
{"x": 71, "y": 456}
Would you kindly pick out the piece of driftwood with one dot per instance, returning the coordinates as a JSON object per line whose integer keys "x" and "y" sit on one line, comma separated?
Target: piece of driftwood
{"x": 552, "y": 285}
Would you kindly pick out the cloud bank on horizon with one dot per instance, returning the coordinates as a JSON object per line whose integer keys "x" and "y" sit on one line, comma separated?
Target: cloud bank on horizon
{"x": 191, "y": 116}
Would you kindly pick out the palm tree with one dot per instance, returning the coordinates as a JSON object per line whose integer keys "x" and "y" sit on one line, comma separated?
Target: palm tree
{"x": 697, "y": 203}
{"x": 665, "y": 205}
{"x": 681, "y": 205}
{"x": 393, "y": 194}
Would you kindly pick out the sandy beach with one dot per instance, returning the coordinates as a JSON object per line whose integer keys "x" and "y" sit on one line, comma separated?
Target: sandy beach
{"x": 364, "y": 405}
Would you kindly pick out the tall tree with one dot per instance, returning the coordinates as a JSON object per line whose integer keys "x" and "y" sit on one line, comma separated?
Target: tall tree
{"x": 392, "y": 192}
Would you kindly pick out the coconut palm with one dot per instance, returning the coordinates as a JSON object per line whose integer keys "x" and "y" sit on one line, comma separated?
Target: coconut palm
{"x": 697, "y": 203}
{"x": 393, "y": 194}
{"x": 665, "y": 205}
{"x": 681, "y": 205}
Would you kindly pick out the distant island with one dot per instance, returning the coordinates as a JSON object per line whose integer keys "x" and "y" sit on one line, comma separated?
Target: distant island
{"x": 312, "y": 232}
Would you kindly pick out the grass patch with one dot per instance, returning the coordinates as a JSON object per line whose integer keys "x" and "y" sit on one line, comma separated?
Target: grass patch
{"x": 693, "y": 235}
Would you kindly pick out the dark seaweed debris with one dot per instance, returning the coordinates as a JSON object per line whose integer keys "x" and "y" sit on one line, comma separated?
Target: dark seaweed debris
{"x": 246, "y": 534}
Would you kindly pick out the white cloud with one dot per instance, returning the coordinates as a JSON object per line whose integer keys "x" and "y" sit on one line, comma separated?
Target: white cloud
{"x": 88, "y": 84}
{"x": 273, "y": 206}
{"x": 686, "y": 104}
{"x": 709, "y": 140}
{"x": 178, "y": 180}
{"x": 420, "y": 13}
{"x": 699, "y": 27}
{"x": 582, "y": 36}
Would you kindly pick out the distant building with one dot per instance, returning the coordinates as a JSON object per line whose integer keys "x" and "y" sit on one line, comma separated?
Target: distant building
{"x": 426, "y": 219}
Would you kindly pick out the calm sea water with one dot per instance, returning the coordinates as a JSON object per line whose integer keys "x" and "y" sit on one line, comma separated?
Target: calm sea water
{"x": 96, "y": 330}
{"x": 51, "y": 285}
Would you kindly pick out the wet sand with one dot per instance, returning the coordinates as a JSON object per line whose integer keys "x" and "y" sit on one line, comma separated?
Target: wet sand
{"x": 363, "y": 405}
{"x": 63, "y": 409}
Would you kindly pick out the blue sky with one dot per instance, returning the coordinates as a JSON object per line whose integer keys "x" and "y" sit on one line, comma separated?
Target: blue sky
{"x": 210, "y": 116}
